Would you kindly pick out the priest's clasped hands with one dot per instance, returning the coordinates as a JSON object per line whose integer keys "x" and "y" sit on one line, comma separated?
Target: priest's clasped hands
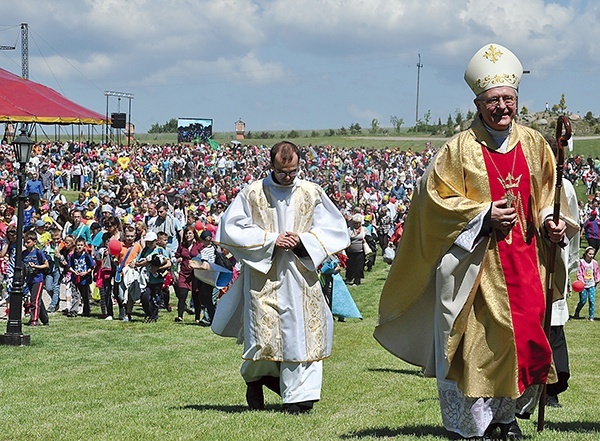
{"x": 287, "y": 240}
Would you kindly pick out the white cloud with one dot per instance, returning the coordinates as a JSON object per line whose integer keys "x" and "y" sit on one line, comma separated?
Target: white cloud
{"x": 146, "y": 35}
{"x": 352, "y": 26}
{"x": 533, "y": 29}
{"x": 149, "y": 32}
{"x": 244, "y": 69}
{"x": 95, "y": 65}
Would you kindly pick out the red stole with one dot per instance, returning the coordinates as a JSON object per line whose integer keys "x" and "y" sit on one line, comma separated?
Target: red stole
{"x": 519, "y": 260}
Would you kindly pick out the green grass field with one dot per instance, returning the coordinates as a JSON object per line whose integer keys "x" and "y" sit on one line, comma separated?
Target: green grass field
{"x": 87, "y": 378}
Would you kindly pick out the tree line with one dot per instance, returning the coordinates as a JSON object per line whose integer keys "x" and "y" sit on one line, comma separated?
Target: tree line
{"x": 453, "y": 124}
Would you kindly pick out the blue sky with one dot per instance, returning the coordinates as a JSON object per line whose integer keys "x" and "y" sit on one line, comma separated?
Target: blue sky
{"x": 299, "y": 64}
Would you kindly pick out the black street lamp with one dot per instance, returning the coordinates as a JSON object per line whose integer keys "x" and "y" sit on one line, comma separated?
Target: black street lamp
{"x": 14, "y": 332}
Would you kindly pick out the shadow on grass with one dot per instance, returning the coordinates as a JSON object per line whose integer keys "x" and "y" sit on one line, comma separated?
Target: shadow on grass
{"x": 386, "y": 432}
{"x": 416, "y": 372}
{"x": 225, "y": 408}
{"x": 573, "y": 426}
{"x": 217, "y": 407}
{"x": 438, "y": 431}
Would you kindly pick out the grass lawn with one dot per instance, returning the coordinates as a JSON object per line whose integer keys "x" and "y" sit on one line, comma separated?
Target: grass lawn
{"x": 87, "y": 378}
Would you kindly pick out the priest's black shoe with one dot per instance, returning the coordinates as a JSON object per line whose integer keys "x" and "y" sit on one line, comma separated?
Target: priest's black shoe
{"x": 255, "y": 396}
{"x": 298, "y": 408}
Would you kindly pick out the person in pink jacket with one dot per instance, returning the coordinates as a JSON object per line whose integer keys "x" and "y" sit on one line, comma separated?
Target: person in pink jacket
{"x": 589, "y": 273}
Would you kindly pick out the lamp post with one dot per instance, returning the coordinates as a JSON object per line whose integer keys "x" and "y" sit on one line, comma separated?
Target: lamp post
{"x": 14, "y": 333}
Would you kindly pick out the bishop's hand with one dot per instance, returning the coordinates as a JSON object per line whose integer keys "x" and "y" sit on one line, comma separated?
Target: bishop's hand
{"x": 556, "y": 231}
{"x": 503, "y": 217}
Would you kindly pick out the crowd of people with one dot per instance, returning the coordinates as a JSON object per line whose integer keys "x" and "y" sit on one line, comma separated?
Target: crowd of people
{"x": 182, "y": 190}
{"x": 179, "y": 193}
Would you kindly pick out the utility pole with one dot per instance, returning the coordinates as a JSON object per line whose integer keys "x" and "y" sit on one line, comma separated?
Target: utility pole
{"x": 419, "y": 66}
{"x": 24, "y": 51}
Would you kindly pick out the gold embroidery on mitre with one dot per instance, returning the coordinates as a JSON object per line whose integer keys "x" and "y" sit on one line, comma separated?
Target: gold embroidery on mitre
{"x": 496, "y": 79}
{"x": 493, "y": 54}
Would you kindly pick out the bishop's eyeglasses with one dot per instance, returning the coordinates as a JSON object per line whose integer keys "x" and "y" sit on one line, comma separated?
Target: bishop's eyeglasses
{"x": 493, "y": 102}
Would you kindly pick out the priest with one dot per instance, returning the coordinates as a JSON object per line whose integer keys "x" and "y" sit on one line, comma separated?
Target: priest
{"x": 281, "y": 228}
{"x": 465, "y": 296}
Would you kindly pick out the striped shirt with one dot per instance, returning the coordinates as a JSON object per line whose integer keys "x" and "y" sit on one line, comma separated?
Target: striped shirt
{"x": 207, "y": 254}
{"x": 592, "y": 229}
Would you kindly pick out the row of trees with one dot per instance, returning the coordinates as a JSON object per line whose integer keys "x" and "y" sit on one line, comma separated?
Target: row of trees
{"x": 168, "y": 127}
{"x": 453, "y": 124}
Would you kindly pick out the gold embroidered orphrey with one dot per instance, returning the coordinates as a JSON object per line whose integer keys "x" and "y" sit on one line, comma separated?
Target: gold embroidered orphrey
{"x": 512, "y": 195}
{"x": 493, "y": 54}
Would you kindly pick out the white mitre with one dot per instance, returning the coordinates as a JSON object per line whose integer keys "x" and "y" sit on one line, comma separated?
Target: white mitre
{"x": 493, "y": 66}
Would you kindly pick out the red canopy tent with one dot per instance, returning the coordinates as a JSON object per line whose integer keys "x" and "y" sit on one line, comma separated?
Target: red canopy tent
{"x": 29, "y": 102}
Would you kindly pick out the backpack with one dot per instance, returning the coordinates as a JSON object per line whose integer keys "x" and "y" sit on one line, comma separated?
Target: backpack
{"x": 50, "y": 260}
{"x": 221, "y": 259}
{"x": 371, "y": 241}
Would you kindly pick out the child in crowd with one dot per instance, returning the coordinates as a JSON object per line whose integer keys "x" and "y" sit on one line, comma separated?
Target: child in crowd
{"x": 153, "y": 258}
{"x": 53, "y": 275}
{"x": 81, "y": 264}
{"x": 66, "y": 248}
{"x": 125, "y": 275}
{"x": 589, "y": 273}
{"x": 34, "y": 264}
{"x": 163, "y": 241}
{"x": 104, "y": 275}
{"x": 204, "y": 298}
{"x": 28, "y": 215}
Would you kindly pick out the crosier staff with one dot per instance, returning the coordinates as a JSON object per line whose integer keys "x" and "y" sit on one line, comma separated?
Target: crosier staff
{"x": 562, "y": 125}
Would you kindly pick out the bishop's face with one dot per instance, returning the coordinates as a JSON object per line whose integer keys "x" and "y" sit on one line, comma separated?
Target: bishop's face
{"x": 498, "y": 107}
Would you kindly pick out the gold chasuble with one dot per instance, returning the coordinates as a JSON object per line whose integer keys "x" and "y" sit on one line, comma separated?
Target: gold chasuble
{"x": 480, "y": 324}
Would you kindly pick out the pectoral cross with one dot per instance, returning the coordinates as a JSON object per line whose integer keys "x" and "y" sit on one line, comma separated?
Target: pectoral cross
{"x": 508, "y": 184}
